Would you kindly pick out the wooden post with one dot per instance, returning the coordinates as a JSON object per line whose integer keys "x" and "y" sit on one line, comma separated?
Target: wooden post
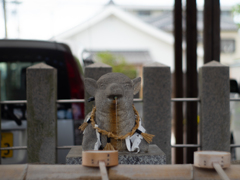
{"x": 211, "y": 30}
{"x": 191, "y": 77}
{"x": 178, "y": 80}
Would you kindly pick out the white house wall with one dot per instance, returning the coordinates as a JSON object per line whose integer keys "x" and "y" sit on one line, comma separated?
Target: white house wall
{"x": 229, "y": 58}
{"x": 115, "y": 34}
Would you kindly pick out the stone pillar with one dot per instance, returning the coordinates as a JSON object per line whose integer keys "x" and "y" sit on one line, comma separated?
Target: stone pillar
{"x": 41, "y": 114}
{"x": 215, "y": 111}
{"x": 157, "y": 105}
{"x": 94, "y": 71}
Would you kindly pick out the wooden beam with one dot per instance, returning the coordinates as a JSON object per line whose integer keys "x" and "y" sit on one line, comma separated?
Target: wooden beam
{"x": 216, "y": 30}
{"x": 191, "y": 77}
{"x": 211, "y": 30}
{"x": 178, "y": 80}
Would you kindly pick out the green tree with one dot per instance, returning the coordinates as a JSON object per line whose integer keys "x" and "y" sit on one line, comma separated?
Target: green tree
{"x": 78, "y": 64}
{"x": 118, "y": 64}
{"x": 236, "y": 14}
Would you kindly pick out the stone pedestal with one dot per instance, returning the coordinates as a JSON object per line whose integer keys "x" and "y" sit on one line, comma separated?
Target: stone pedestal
{"x": 154, "y": 156}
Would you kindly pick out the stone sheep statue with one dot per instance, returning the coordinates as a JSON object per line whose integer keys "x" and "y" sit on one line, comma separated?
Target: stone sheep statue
{"x": 114, "y": 123}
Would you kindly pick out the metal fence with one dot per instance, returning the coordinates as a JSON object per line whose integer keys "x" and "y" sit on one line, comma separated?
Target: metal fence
{"x": 135, "y": 101}
{"x": 213, "y": 98}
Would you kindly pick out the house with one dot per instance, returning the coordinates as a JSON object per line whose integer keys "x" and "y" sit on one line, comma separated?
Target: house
{"x": 145, "y": 29}
{"x": 119, "y": 32}
{"x": 162, "y": 18}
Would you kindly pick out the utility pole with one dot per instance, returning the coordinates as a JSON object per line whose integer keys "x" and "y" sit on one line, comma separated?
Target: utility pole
{"x": 5, "y": 18}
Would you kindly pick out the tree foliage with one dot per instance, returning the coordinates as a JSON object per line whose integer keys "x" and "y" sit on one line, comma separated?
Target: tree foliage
{"x": 118, "y": 64}
{"x": 236, "y": 14}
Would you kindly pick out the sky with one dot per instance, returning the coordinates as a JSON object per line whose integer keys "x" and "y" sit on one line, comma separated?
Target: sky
{"x": 43, "y": 19}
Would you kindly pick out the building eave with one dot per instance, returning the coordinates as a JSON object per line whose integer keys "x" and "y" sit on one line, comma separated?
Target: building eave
{"x": 125, "y": 17}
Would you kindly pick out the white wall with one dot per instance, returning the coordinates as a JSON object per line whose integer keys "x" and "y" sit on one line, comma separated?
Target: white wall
{"x": 114, "y": 34}
{"x": 229, "y": 58}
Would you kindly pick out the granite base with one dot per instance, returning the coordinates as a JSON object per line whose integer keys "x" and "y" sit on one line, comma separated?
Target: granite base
{"x": 154, "y": 156}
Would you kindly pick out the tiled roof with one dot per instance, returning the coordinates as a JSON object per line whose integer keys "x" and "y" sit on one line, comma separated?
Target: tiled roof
{"x": 164, "y": 21}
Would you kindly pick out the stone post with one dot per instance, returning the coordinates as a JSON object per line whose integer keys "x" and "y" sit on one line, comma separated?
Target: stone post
{"x": 94, "y": 71}
{"x": 215, "y": 110}
{"x": 41, "y": 114}
{"x": 157, "y": 105}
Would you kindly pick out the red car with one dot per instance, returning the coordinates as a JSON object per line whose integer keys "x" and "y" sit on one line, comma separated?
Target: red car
{"x": 15, "y": 57}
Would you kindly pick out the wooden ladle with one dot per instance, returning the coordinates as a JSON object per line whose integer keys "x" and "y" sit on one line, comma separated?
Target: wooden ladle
{"x": 213, "y": 160}
{"x": 101, "y": 159}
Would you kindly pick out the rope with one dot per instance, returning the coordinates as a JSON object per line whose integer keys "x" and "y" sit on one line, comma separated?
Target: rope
{"x": 147, "y": 137}
{"x": 110, "y": 134}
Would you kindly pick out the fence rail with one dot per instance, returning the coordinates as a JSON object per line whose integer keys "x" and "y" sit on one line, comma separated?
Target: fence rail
{"x": 134, "y": 100}
{"x": 71, "y": 101}
{"x": 25, "y": 148}
{"x": 58, "y": 101}
{"x": 185, "y": 99}
{"x": 234, "y": 99}
{"x": 69, "y": 147}
{"x": 14, "y": 102}
{"x": 185, "y": 146}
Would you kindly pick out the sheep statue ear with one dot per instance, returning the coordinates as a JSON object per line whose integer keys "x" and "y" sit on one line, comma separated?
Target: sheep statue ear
{"x": 90, "y": 86}
{"x": 136, "y": 85}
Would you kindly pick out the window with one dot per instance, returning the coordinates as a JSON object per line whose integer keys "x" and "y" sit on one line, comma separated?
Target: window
{"x": 227, "y": 45}
{"x": 144, "y": 13}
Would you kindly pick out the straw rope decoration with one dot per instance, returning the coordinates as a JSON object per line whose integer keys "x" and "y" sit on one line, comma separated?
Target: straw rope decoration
{"x": 147, "y": 137}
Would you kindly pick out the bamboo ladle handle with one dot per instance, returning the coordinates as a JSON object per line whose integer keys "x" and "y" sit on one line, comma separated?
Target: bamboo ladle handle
{"x": 103, "y": 170}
